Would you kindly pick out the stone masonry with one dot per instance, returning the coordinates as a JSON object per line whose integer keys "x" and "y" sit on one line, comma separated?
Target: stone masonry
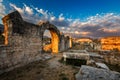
{"x": 24, "y": 41}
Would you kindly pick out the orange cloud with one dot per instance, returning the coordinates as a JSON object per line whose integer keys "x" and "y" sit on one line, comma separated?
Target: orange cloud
{"x": 110, "y": 30}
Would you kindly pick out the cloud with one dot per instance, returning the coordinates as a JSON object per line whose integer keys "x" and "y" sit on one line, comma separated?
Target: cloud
{"x": 1, "y": 0}
{"x": 28, "y": 9}
{"x": 61, "y": 18}
{"x": 28, "y": 14}
{"x": 44, "y": 13}
{"x": 58, "y": 23}
{"x": 17, "y": 8}
{"x": 52, "y": 18}
{"x": 100, "y": 25}
{"x": 2, "y": 9}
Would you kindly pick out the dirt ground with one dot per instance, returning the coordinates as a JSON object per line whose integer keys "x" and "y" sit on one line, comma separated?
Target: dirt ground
{"x": 50, "y": 69}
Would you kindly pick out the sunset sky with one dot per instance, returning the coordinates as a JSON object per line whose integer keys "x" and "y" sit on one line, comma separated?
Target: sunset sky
{"x": 79, "y": 18}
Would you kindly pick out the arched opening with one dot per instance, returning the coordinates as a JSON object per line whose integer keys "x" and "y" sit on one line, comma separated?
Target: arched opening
{"x": 51, "y": 43}
{"x": 55, "y": 41}
{"x": 47, "y": 47}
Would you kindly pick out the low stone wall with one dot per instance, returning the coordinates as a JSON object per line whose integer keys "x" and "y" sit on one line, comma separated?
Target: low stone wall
{"x": 18, "y": 54}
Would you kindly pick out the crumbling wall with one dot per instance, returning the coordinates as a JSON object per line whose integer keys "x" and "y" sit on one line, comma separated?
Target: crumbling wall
{"x": 67, "y": 45}
{"x": 110, "y": 43}
{"x": 62, "y": 43}
{"x": 24, "y": 41}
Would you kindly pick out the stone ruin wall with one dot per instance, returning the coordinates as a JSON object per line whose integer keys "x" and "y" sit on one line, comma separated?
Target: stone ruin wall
{"x": 23, "y": 42}
{"x": 110, "y": 43}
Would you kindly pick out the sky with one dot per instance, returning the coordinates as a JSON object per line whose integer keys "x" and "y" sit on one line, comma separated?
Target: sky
{"x": 78, "y": 18}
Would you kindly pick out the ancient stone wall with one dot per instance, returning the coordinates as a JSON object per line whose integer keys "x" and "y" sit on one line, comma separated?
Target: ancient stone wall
{"x": 24, "y": 41}
{"x": 110, "y": 43}
{"x": 62, "y": 43}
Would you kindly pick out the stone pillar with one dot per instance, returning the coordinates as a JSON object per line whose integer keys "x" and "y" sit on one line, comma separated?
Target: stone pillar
{"x": 62, "y": 43}
{"x": 66, "y": 42}
{"x": 70, "y": 42}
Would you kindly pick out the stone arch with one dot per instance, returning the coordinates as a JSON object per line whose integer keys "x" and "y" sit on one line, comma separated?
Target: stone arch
{"x": 55, "y": 35}
{"x": 14, "y": 24}
{"x": 23, "y": 41}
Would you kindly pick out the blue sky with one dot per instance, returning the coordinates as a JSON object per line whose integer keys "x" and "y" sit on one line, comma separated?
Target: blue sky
{"x": 80, "y": 18}
{"x": 71, "y": 8}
